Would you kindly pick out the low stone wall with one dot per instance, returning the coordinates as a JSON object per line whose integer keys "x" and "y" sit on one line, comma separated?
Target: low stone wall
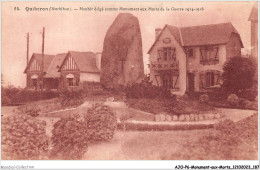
{"x": 186, "y": 118}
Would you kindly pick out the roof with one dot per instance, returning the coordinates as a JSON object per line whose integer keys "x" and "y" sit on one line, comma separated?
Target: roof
{"x": 207, "y": 34}
{"x": 201, "y": 35}
{"x": 86, "y": 61}
{"x": 38, "y": 57}
{"x": 53, "y": 69}
{"x": 254, "y": 13}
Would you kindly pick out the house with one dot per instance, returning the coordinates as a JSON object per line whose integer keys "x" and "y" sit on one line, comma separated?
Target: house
{"x": 63, "y": 70}
{"x": 191, "y": 58}
{"x": 80, "y": 67}
{"x": 254, "y": 30}
{"x": 34, "y": 70}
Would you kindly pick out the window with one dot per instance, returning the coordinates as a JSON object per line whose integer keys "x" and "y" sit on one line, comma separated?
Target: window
{"x": 166, "y": 53}
{"x": 210, "y": 79}
{"x": 209, "y": 55}
{"x": 190, "y": 52}
{"x": 70, "y": 81}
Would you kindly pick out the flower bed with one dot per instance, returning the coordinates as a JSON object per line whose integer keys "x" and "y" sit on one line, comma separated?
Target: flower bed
{"x": 128, "y": 126}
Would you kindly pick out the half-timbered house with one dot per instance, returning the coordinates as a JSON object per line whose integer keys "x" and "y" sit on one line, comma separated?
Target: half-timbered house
{"x": 80, "y": 67}
{"x": 71, "y": 69}
{"x": 191, "y": 58}
{"x": 34, "y": 70}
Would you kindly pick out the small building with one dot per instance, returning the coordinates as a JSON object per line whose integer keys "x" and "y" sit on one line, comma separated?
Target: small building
{"x": 191, "y": 58}
{"x": 34, "y": 70}
{"x": 63, "y": 70}
{"x": 80, "y": 67}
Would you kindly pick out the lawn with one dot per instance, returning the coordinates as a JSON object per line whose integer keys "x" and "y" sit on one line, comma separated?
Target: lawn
{"x": 226, "y": 141}
{"x": 231, "y": 142}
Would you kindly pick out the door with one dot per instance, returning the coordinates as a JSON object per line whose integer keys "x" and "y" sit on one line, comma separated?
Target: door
{"x": 35, "y": 83}
{"x": 191, "y": 81}
{"x": 167, "y": 81}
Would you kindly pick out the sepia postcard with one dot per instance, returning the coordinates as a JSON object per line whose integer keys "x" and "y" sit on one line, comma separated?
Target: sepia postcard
{"x": 90, "y": 80}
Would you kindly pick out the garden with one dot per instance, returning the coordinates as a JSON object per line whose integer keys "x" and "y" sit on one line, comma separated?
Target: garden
{"x": 140, "y": 121}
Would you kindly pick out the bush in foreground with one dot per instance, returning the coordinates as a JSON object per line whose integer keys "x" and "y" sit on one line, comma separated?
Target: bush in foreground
{"x": 101, "y": 122}
{"x": 23, "y": 138}
{"x": 71, "y": 135}
{"x": 69, "y": 138}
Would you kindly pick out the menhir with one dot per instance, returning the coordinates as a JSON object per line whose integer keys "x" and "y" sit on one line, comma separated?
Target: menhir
{"x": 122, "y": 57}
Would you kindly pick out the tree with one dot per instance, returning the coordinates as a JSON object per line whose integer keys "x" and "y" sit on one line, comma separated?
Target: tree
{"x": 238, "y": 74}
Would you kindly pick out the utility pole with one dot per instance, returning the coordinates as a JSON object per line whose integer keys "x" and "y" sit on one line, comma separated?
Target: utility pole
{"x": 43, "y": 34}
{"x": 27, "y": 49}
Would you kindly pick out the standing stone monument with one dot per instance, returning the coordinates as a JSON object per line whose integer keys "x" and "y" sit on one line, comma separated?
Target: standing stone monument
{"x": 122, "y": 56}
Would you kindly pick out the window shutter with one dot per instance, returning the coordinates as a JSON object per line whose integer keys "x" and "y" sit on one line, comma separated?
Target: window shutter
{"x": 217, "y": 78}
{"x": 202, "y": 81}
{"x": 175, "y": 82}
{"x": 203, "y": 54}
{"x": 216, "y": 56}
{"x": 173, "y": 53}
{"x": 160, "y": 54}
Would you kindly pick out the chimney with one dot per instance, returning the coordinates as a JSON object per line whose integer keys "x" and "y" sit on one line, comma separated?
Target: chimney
{"x": 157, "y": 32}
{"x": 98, "y": 60}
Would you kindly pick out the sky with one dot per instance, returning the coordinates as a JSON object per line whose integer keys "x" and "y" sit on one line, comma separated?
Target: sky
{"x": 83, "y": 31}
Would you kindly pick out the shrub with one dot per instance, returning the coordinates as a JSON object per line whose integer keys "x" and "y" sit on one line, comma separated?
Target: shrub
{"x": 24, "y": 138}
{"x": 249, "y": 94}
{"x": 69, "y": 138}
{"x": 12, "y": 95}
{"x": 71, "y": 135}
{"x": 70, "y": 97}
{"x": 145, "y": 89}
{"x": 204, "y": 99}
{"x": 34, "y": 111}
{"x": 227, "y": 126}
{"x": 239, "y": 74}
{"x": 233, "y": 100}
{"x": 5, "y": 101}
{"x": 101, "y": 122}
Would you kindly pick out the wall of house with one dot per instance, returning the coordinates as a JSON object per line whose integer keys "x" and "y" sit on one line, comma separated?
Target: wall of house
{"x": 89, "y": 77}
{"x": 180, "y": 57}
{"x": 194, "y": 65}
{"x": 233, "y": 47}
{"x": 51, "y": 83}
{"x": 63, "y": 80}
{"x": 29, "y": 81}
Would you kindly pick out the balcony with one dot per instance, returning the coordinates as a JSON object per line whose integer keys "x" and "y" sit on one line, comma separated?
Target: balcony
{"x": 209, "y": 62}
{"x": 164, "y": 65}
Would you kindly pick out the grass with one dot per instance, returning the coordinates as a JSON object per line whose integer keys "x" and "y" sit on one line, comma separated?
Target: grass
{"x": 170, "y": 106}
{"x": 228, "y": 141}
{"x": 44, "y": 105}
{"x": 243, "y": 104}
